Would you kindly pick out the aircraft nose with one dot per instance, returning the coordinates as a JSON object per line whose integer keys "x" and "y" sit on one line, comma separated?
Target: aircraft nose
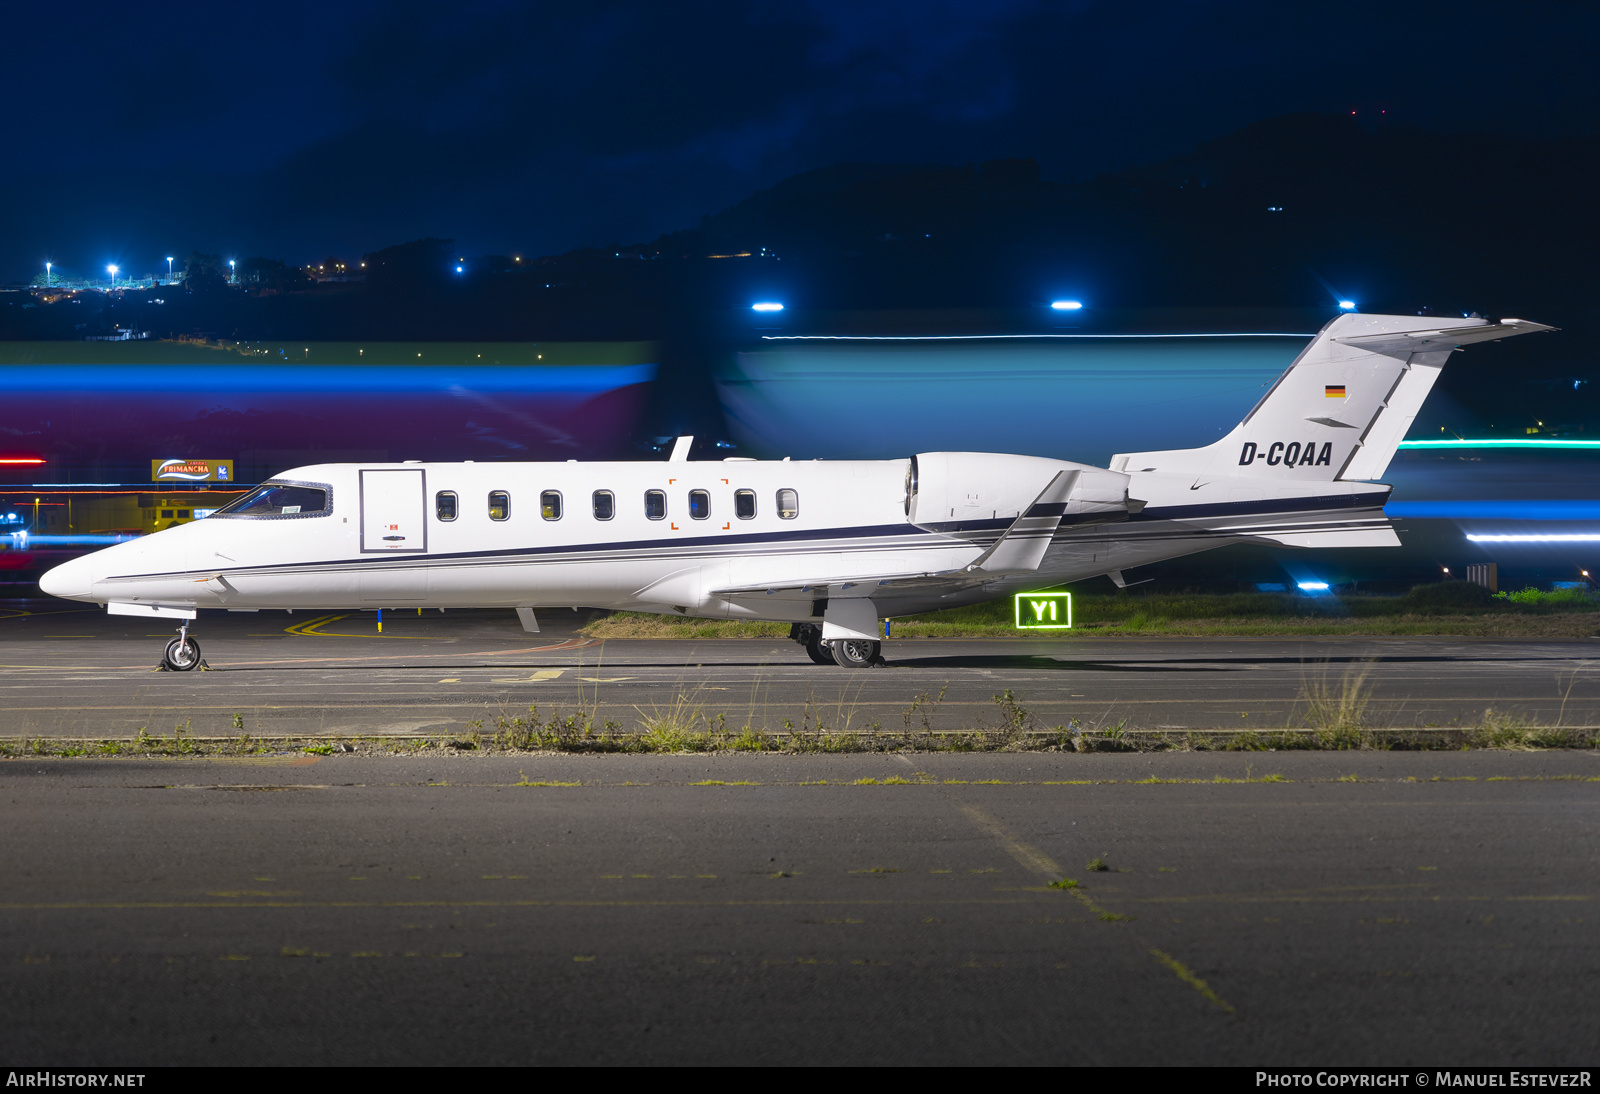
{"x": 70, "y": 579}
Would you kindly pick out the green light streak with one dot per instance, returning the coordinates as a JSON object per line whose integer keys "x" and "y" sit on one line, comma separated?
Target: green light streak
{"x": 1499, "y": 443}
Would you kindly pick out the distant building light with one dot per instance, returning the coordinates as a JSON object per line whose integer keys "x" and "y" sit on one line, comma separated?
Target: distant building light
{"x": 1347, "y": 305}
{"x": 1066, "y": 305}
{"x": 1313, "y": 586}
{"x": 767, "y": 305}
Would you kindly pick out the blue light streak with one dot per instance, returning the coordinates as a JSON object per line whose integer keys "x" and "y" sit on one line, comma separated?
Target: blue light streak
{"x": 1496, "y": 442}
{"x": 291, "y": 377}
{"x": 27, "y": 539}
{"x": 994, "y": 337}
{"x": 1497, "y": 509}
{"x": 1559, "y": 537}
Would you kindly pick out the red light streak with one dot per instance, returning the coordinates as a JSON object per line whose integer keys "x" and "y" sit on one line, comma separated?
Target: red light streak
{"x": 25, "y": 460}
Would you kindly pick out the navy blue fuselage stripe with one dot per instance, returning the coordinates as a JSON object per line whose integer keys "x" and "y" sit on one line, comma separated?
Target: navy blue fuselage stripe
{"x": 658, "y": 548}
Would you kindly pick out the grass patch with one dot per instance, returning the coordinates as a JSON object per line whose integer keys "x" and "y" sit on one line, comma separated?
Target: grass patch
{"x": 638, "y": 625}
{"x": 1333, "y": 714}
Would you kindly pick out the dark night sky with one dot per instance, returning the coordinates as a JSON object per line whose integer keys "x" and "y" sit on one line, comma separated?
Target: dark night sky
{"x": 300, "y": 129}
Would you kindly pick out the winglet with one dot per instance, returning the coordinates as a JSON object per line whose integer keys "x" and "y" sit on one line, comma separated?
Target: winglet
{"x": 1022, "y": 547}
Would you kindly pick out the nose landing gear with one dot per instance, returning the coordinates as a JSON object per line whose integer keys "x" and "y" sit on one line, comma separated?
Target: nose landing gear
{"x": 183, "y": 653}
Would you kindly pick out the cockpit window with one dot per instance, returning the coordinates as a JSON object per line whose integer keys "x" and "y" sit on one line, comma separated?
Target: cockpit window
{"x": 278, "y": 500}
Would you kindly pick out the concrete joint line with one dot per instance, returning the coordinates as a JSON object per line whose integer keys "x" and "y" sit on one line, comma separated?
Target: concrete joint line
{"x": 1031, "y": 858}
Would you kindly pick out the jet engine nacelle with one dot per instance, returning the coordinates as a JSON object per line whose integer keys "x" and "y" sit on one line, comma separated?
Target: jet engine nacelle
{"x": 946, "y": 487}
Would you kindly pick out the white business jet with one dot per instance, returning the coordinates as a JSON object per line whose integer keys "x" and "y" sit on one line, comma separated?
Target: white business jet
{"x": 830, "y": 547}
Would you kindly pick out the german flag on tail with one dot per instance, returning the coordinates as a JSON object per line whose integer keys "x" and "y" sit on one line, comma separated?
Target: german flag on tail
{"x": 1334, "y": 391}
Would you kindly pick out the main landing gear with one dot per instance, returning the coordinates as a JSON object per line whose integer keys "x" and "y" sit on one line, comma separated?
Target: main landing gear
{"x": 183, "y": 653}
{"x": 850, "y": 653}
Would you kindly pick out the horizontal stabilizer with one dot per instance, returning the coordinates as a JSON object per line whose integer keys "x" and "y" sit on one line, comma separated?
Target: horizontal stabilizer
{"x": 1406, "y": 342}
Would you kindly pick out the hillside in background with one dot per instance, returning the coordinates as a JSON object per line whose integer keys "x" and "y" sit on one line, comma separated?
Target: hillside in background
{"x": 1291, "y": 213}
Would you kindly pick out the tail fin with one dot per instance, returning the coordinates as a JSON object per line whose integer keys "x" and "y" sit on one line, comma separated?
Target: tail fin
{"x": 1342, "y": 408}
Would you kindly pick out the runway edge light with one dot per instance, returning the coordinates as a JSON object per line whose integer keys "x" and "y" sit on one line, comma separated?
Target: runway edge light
{"x": 1043, "y": 611}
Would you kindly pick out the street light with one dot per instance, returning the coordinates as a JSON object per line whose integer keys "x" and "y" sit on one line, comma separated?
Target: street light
{"x": 169, "y": 267}
{"x": 232, "y": 277}
{"x": 112, "y": 270}
{"x": 47, "y": 275}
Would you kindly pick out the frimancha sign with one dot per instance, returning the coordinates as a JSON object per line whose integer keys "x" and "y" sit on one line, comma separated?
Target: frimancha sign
{"x": 191, "y": 471}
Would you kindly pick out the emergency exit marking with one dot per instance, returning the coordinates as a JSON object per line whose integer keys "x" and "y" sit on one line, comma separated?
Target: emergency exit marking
{"x": 1044, "y": 611}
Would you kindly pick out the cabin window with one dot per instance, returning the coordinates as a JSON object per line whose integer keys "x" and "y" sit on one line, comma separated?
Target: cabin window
{"x": 655, "y": 504}
{"x": 183, "y": 514}
{"x": 165, "y": 513}
{"x": 605, "y": 505}
{"x": 276, "y": 499}
{"x": 744, "y": 504}
{"x": 499, "y": 505}
{"x": 699, "y": 504}
{"x": 788, "y": 504}
{"x": 550, "y": 505}
{"x": 445, "y": 505}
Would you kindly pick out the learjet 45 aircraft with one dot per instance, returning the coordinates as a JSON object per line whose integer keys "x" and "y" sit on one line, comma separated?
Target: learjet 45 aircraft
{"x": 831, "y": 547}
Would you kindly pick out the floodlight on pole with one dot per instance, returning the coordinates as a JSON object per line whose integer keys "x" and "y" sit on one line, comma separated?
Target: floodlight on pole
{"x": 47, "y": 275}
{"x": 169, "y": 267}
{"x": 112, "y": 270}
{"x": 233, "y": 277}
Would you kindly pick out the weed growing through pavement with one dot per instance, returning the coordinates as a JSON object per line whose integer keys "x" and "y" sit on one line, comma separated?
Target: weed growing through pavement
{"x": 1338, "y": 713}
{"x": 1335, "y": 715}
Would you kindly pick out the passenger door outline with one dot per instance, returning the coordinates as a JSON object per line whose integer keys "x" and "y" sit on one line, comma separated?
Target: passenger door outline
{"x": 394, "y": 506}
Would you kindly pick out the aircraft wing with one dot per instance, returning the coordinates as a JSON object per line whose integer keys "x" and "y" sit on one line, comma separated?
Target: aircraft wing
{"x": 1018, "y": 551}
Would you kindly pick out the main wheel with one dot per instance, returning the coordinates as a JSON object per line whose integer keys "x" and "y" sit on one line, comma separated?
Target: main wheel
{"x": 854, "y": 653}
{"x": 819, "y": 651}
{"x": 182, "y": 654}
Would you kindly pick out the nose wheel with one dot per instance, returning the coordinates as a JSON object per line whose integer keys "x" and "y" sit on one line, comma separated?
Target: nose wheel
{"x": 182, "y": 654}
